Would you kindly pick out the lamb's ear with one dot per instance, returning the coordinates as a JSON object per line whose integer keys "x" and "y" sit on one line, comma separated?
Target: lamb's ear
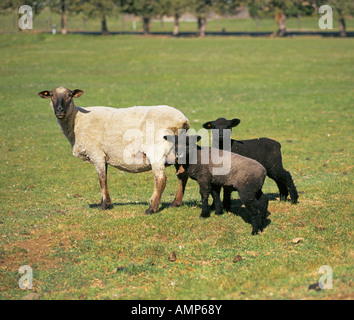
{"x": 77, "y": 93}
{"x": 44, "y": 94}
{"x": 195, "y": 138}
{"x": 207, "y": 125}
{"x": 233, "y": 123}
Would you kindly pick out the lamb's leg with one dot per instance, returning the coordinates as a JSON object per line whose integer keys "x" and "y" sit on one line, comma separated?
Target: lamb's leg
{"x": 102, "y": 177}
{"x": 249, "y": 199}
{"x": 159, "y": 187}
{"x": 283, "y": 190}
{"x": 262, "y": 204}
{"x": 212, "y": 207}
{"x": 204, "y": 192}
{"x": 256, "y": 218}
{"x": 215, "y": 192}
{"x": 182, "y": 181}
{"x": 291, "y": 187}
{"x": 227, "y": 198}
{"x": 285, "y": 184}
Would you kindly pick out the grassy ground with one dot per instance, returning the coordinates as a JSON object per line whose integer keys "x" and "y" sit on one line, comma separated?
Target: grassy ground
{"x": 297, "y": 91}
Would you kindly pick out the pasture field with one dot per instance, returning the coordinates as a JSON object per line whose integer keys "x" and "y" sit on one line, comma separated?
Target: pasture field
{"x": 297, "y": 91}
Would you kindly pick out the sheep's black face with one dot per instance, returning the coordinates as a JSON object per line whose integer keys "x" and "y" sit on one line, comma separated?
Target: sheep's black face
{"x": 182, "y": 145}
{"x": 221, "y": 127}
{"x": 61, "y": 99}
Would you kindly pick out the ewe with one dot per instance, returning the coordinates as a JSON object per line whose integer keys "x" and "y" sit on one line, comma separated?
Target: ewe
{"x": 129, "y": 139}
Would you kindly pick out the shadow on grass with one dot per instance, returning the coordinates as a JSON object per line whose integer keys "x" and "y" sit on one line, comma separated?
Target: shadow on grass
{"x": 237, "y": 207}
{"x": 163, "y": 205}
{"x": 240, "y": 211}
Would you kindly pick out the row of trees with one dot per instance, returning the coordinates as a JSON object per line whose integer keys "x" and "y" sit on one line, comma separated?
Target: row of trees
{"x": 148, "y": 9}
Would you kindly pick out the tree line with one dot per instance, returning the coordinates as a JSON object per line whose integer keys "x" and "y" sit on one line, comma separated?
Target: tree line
{"x": 149, "y": 9}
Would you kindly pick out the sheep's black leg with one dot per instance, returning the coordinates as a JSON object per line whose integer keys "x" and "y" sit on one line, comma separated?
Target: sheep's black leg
{"x": 285, "y": 184}
{"x": 250, "y": 201}
{"x": 204, "y": 192}
{"x": 291, "y": 187}
{"x": 227, "y": 198}
{"x": 215, "y": 192}
{"x": 283, "y": 190}
{"x": 262, "y": 205}
{"x": 255, "y": 219}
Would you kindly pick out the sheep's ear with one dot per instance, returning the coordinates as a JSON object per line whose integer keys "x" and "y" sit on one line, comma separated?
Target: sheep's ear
{"x": 169, "y": 138}
{"x": 77, "y": 93}
{"x": 233, "y": 123}
{"x": 44, "y": 94}
{"x": 207, "y": 125}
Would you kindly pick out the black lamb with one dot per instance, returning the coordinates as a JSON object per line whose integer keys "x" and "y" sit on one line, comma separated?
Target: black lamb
{"x": 264, "y": 150}
{"x": 233, "y": 172}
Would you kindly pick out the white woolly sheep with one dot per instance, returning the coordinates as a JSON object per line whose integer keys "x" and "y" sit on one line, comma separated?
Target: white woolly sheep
{"x": 123, "y": 138}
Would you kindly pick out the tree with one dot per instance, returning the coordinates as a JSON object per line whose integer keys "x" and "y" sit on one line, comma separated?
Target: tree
{"x": 95, "y": 8}
{"x": 201, "y": 9}
{"x": 146, "y": 9}
{"x": 175, "y": 8}
{"x": 62, "y": 7}
{"x": 281, "y": 8}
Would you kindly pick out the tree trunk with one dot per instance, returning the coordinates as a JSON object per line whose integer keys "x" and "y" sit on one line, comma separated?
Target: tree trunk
{"x": 146, "y": 25}
{"x": 176, "y": 25}
{"x": 104, "y": 28}
{"x": 201, "y": 26}
{"x": 342, "y": 27}
{"x": 280, "y": 18}
{"x": 63, "y": 17}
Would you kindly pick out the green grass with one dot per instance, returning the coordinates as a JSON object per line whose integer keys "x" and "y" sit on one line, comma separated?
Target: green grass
{"x": 297, "y": 91}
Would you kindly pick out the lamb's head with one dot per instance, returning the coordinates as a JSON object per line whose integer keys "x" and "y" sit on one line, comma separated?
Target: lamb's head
{"x": 218, "y": 126}
{"x": 61, "y": 99}
{"x": 183, "y": 146}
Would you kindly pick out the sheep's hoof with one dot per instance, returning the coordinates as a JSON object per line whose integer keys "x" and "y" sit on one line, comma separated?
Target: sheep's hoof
{"x": 103, "y": 205}
{"x": 219, "y": 213}
{"x": 175, "y": 204}
{"x": 149, "y": 211}
{"x": 205, "y": 215}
